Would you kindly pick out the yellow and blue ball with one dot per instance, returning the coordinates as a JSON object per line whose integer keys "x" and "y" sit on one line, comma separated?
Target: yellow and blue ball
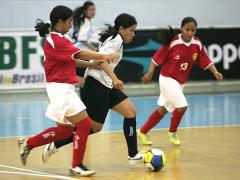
{"x": 155, "y": 159}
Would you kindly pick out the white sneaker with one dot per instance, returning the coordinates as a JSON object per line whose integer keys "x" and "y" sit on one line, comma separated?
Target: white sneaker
{"x": 24, "y": 151}
{"x": 138, "y": 158}
{"x": 48, "y": 151}
{"x": 82, "y": 170}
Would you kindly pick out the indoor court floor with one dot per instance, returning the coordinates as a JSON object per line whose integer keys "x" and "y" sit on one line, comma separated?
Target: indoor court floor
{"x": 209, "y": 132}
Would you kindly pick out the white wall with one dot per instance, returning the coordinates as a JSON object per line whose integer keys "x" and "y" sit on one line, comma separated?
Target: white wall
{"x": 23, "y": 13}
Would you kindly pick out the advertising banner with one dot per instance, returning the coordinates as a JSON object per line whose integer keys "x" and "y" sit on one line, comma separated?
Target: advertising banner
{"x": 21, "y": 56}
{"x": 21, "y": 60}
{"x": 222, "y": 45}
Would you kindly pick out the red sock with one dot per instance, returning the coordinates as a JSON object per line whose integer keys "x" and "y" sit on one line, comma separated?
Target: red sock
{"x": 175, "y": 120}
{"x": 80, "y": 139}
{"x": 49, "y": 135}
{"x": 151, "y": 122}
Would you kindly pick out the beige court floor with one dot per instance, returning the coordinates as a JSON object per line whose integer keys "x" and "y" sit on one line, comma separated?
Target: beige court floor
{"x": 205, "y": 153}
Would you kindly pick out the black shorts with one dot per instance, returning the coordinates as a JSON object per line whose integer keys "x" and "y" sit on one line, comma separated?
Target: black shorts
{"x": 99, "y": 99}
{"x": 80, "y": 71}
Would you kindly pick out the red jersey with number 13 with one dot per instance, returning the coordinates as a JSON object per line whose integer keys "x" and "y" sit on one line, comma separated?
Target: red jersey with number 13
{"x": 177, "y": 58}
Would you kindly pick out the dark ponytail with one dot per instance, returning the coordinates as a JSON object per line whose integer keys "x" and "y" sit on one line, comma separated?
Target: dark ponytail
{"x": 79, "y": 16}
{"x": 57, "y": 13}
{"x": 124, "y": 20}
{"x": 166, "y": 35}
{"x": 42, "y": 28}
{"x": 109, "y": 31}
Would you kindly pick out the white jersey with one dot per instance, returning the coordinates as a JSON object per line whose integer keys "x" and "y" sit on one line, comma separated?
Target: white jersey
{"x": 85, "y": 30}
{"x": 108, "y": 46}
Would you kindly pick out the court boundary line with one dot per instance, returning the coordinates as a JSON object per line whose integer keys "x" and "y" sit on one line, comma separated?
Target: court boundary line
{"x": 22, "y": 169}
{"x": 195, "y": 127}
{"x": 29, "y": 172}
{"x": 36, "y": 174}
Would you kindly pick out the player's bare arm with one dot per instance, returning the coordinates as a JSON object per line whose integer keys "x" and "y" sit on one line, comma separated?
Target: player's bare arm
{"x": 87, "y": 55}
{"x": 215, "y": 72}
{"x": 118, "y": 84}
{"x": 91, "y": 64}
{"x": 148, "y": 76}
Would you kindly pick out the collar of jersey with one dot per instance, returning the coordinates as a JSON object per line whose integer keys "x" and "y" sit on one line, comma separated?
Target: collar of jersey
{"x": 59, "y": 34}
{"x": 120, "y": 37}
{"x": 187, "y": 44}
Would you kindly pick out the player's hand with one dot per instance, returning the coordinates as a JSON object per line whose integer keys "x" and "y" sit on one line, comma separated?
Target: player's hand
{"x": 118, "y": 84}
{"x": 113, "y": 57}
{"x": 147, "y": 78}
{"x": 96, "y": 64}
{"x": 218, "y": 76}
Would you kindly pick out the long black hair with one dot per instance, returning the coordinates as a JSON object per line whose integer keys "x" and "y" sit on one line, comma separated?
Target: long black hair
{"x": 79, "y": 15}
{"x": 187, "y": 20}
{"x": 125, "y": 20}
{"x": 165, "y": 36}
{"x": 57, "y": 13}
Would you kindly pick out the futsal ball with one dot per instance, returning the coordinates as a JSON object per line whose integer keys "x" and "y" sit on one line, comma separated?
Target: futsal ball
{"x": 154, "y": 159}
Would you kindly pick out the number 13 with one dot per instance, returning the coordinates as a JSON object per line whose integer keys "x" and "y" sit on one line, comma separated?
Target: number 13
{"x": 183, "y": 66}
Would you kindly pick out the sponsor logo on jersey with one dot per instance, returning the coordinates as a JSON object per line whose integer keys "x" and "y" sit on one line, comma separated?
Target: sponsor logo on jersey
{"x": 194, "y": 57}
{"x": 177, "y": 57}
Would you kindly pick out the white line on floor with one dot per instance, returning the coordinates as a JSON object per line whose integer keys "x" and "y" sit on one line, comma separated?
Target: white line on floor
{"x": 40, "y": 175}
{"x": 29, "y": 172}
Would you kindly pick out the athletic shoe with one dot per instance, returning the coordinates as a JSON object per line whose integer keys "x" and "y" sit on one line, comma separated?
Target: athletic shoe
{"x": 138, "y": 158}
{"x": 143, "y": 138}
{"x": 82, "y": 170}
{"x": 48, "y": 151}
{"x": 173, "y": 138}
{"x": 24, "y": 151}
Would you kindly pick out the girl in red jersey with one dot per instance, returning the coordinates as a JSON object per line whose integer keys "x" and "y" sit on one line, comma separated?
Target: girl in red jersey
{"x": 176, "y": 58}
{"x": 66, "y": 108}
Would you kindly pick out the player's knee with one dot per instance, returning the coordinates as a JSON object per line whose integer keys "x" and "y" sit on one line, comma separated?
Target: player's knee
{"x": 96, "y": 130}
{"x": 131, "y": 113}
{"x": 84, "y": 125}
{"x": 182, "y": 109}
{"x": 87, "y": 123}
{"x": 162, "y": 110}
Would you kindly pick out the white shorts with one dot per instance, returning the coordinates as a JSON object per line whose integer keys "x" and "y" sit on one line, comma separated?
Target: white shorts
{"x": 64, "y": 102}
{"x": 171, "y": 94}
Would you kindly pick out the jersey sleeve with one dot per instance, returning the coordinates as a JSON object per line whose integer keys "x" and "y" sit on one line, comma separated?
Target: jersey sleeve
{"x": 160, "y": 55}
{"x": 203, "y": 60}
{"x": 65, "y": 50}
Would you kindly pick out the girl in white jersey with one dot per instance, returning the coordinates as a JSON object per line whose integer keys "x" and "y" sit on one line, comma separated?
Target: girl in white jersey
{"x": 83, "y": 31}
{"x": 82, "y": 25}
{"x": 103, "y": 90}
